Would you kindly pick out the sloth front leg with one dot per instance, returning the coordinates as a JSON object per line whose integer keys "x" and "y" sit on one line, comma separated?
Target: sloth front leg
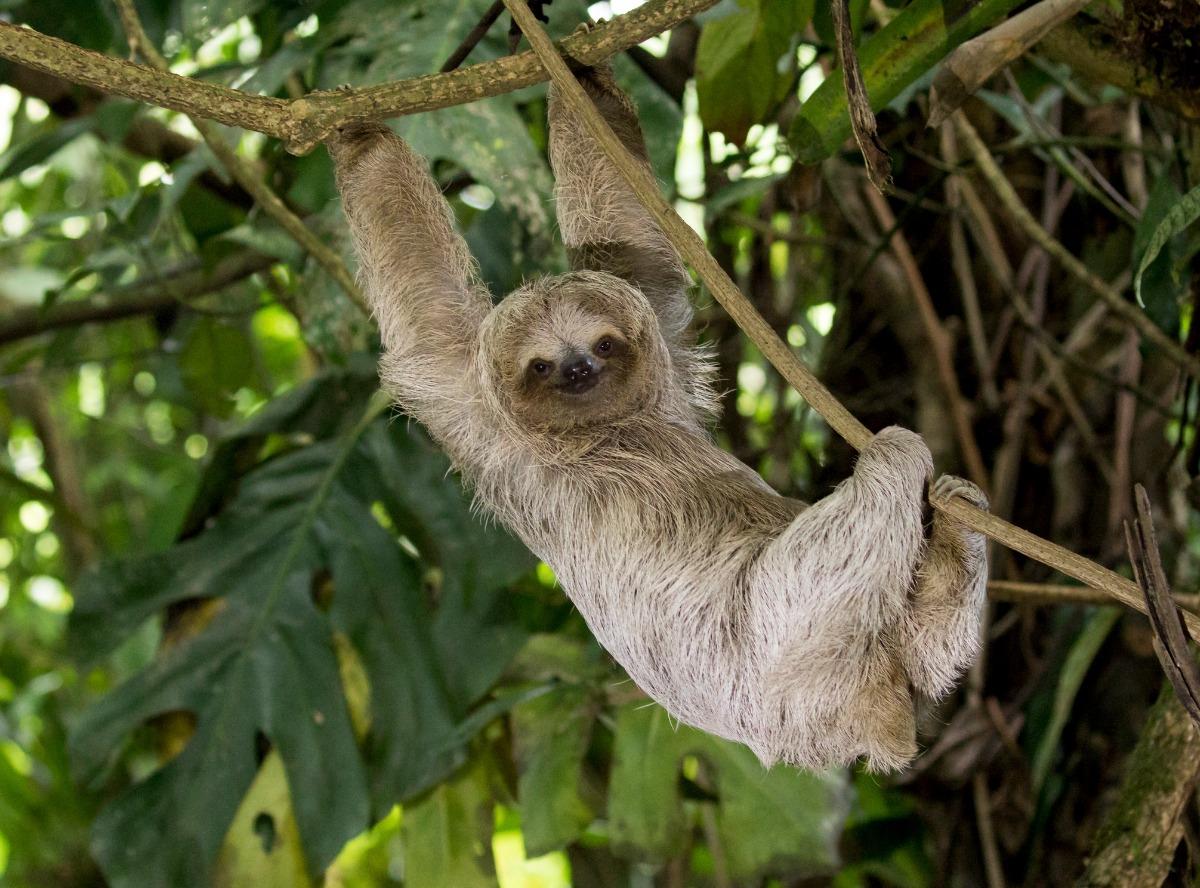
{"x": 835, "y": 588}
{"x": 941, "y": 636}
{"x": 603, "y": 224}
{"x": 419, "y": 278}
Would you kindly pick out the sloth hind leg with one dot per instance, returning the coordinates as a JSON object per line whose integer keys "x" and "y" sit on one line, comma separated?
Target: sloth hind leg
{"x": 943, "y": 623}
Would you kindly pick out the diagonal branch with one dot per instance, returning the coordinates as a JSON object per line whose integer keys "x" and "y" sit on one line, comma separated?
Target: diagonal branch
{"x": 692, "y": 248}
{"x": 302, "y": 123}
{"x": 246, "y": 177}
{"x": 1171, "y": 640}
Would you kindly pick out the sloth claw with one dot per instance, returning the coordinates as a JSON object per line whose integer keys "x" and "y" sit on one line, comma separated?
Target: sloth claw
{"x": 949, "y": 486}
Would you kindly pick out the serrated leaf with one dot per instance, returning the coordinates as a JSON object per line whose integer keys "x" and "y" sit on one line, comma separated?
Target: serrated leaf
{"x": 257, "y": 668}
{"x": 780, "y": 821}
{"x": 265, "y": 663}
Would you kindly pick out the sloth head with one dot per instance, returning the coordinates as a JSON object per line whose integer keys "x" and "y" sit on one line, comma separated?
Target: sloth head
{"x": 573, "y": 351}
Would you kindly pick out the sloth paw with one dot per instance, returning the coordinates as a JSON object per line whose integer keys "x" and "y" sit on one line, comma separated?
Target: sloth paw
{"x": 948, "y": 486}
{"x": 899, "y": 449}
{"x": 353, "y": 139}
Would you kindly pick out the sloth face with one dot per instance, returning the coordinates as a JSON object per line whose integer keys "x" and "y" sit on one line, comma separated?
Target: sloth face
{"x": 572, "y": 351}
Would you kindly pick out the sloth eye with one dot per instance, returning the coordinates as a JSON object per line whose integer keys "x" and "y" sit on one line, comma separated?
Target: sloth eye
{"x": 604, "y": 346}
{"x": 541, "y": 368}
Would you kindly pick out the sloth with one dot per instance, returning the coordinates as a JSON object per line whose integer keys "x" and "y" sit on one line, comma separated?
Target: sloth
{"x": 577, "y": 410}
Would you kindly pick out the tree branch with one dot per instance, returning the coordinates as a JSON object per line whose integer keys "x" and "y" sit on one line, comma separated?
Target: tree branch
{"x": 1136, "y": 843}
{"x": 244, "y": 175}
{"x": 302, "y": 123}
{"x": 692, "y": 248}
{"x": 186, "y": 281}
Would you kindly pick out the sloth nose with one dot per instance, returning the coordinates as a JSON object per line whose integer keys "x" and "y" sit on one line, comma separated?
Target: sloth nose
{"x": 580, "y": 374}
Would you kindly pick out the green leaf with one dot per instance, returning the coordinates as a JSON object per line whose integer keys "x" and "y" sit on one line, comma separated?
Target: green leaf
{"x": 265, "y": 665}
{"x": 257, "y": 668}
{"x": 1079, "y": 659}
{"x": 1161, "y": 299}
{"x": 550, "y": 737}
{"x": 780, "y": 821}
{"x": 447, "y": 835}
{"x": 31, "y": 152}
{"x": 216, "y": 360}
{"x": 744, "y": 60}
{"x": 915, "y": 40}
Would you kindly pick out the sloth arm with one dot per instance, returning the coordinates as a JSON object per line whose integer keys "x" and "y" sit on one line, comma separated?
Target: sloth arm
{"x": 419, "y": 278}
{"x": 605, "y": 227}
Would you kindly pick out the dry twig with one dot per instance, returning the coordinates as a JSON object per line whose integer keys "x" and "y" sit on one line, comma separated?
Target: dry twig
{"x": 971, "y": 64}
{"x": 1012, "y": 204}
{"x": 1171, "y": 639}
{"x": 862, "y": 118}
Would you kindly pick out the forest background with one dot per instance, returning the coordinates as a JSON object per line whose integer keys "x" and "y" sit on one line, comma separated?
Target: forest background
{"x": 251, "y": 632}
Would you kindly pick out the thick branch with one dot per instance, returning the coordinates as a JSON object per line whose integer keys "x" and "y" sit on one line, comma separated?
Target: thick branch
{"x": 692, "y": 248}
{"x": 141, "y": 297}
{"x": 302, "y": 123}
{"x": 1136, "y": 844}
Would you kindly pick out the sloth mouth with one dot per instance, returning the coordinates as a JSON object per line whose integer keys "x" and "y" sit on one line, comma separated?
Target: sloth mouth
{"x": 580, "y": 386}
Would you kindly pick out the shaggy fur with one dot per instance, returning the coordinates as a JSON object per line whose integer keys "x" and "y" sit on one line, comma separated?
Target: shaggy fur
{"x": 799, "y": 631}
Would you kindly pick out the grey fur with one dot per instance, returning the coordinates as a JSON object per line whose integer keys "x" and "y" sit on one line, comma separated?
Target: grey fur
{"x": 799, "y": 631}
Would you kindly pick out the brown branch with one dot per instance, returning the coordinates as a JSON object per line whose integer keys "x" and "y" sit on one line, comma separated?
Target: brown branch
{"x": 1019, "y": 592}
{"x": 970, "y": 65}
{"x": 692, "y": 248}
{"x": 141, "y": 297}
{"x": 244, "y": 175}
{"x": 1171, "y": 641}
{"x": 1008, "y": 196}
{"x": 302, "y": 123}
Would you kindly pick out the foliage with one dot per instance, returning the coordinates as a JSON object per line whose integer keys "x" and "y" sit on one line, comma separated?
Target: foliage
{"x": 251, "y": 630}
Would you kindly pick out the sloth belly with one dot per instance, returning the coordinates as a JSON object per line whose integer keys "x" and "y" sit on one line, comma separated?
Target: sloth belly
{"x": 669, "y": 597}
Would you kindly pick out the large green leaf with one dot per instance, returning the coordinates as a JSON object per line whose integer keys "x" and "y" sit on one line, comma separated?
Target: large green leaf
{"x": 915, "y": 40}
{"x": 265, "y": 664}
{"x": 745, "y": 61}
{"x": 779, "y": 821}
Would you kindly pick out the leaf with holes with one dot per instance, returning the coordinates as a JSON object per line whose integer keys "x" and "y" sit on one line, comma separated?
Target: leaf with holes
{"x": 308, "y": 520}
